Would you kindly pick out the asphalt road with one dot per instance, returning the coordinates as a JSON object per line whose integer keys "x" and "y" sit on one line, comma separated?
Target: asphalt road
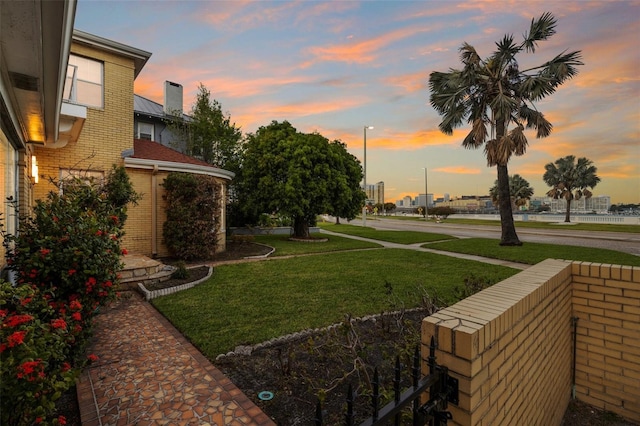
{"x": 620, "y": 241}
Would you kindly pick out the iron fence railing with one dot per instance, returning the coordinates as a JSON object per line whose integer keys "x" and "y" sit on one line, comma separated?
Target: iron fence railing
{"x": 443, "y": 389}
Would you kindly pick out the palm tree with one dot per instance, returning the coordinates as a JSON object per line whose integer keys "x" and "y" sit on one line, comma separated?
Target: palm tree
{"x": 566, "y": 176}
{"x": 493, "y": 93}
{"x": 519, "y": 189}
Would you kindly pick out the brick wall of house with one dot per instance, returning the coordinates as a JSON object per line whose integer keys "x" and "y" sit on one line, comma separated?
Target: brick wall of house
{"x": 511, "y": 346}
{"x": 106, "y": 132}
{"x": 606, "y": 301}
{"x": 138, "y": 237}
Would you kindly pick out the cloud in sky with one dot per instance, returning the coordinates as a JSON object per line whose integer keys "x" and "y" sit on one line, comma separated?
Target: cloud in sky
{"x": 334, "y": 67}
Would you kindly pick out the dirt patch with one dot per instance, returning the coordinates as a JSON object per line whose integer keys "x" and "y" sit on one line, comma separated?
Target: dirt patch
{"x": 322, "y": 365}
{"x": 195, "y": 274}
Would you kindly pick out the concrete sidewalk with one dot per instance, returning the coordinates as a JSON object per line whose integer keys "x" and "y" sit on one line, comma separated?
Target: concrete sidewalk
{"x": 417, "y": 247}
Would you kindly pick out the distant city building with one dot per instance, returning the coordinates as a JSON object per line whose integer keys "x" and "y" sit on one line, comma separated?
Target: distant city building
{"x": 375, "y": 193}
{"x": 598, "y": 204}
{"x": 420, "y": 200}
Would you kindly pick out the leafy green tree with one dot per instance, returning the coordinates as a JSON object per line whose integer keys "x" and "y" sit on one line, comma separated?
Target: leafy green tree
{"x": 297, "y": 175}
{"x": 567, "y": 175}
{"x": 209, "y": 134}
{"x": 493, "y": 93}
{"x": 389, "y": 207}
{"x": 519, "y": 189}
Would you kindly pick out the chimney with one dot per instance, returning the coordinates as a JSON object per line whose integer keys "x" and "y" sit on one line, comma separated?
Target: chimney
{"x": 173, "y": 99}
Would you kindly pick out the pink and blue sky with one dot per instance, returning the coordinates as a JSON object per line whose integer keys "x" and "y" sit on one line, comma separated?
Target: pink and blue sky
{"x": 335, "y": 67}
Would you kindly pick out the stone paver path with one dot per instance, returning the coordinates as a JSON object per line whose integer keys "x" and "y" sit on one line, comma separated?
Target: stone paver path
{"x": 149, "y": 374}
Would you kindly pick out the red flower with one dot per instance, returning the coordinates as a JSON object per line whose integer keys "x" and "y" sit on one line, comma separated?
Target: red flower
{"x": 114, "y": 219}
{"x": 108, "y": 284}
{"x": 38, "y": 419}
{"x": 72, "y": 271}
{"x": 16, "y": 338}
{"x": 92, "y": 357}
{"x": 16, "y": 320}
{"x": 31, "y": 370}
{"x": 99, "y": 233}
{"x": 62, "y": 420}
{"x": 44, "y": 252}
{"x": 125, "y": 251}
{"x": 3, "y": 347}
{"x": 76, "y": 316}
{"x": 65, "y": 367}
{"x": 25, "y": 301}
{"x": 3, "y": 313}
{"x": 77, "y": 328}
{"x": 75, "y": 305}
{"x": 33, "y": 273}
{"x": 91, "y": 281}
{"x": 59, "y": 323}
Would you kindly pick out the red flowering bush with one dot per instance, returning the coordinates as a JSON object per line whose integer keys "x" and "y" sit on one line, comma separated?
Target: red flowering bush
{"x": 66, "y": 258}
{"x": 33, "y": 354}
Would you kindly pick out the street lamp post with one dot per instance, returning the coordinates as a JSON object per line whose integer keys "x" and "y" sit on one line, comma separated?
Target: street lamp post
{"x": 426, "y": 196}
{"x": 364, "y": 211}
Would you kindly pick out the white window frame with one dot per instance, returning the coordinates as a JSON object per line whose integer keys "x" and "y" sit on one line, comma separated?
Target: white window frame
{"x": 78, "y": 77}
{"x": 140, "y": 130}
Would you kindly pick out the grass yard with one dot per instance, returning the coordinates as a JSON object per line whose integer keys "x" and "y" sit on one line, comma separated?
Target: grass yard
{"x": 400, "y": 237}
{"x": 252, "y": 302}
{"x": 533, "y": 253}
{"x": 603, "y": 227}
{"x": 284, "y": 247}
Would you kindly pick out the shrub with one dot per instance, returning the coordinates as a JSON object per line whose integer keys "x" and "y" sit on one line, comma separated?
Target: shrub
{"x": 181, "y": 271}
{"x": 193, "y": 215}
{"x": 35, "y": 369}
{"x": 66, "y": 259}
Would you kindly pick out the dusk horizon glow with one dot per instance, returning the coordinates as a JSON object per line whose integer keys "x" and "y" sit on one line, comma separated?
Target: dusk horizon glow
{"x": 334, "y": 67}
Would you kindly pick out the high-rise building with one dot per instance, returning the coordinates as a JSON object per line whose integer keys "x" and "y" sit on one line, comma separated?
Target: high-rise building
{"x": 375, "y": 193}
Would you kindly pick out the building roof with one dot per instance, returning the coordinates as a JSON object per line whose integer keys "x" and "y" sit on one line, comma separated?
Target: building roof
{"x": 144, "y": 106}
{"x": 150, "y": 150}
{"x": 139, "y": 56}
{"x": 152, "y": 155}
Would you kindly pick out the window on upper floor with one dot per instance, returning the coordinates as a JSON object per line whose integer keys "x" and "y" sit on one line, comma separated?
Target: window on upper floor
{"x": 145, "y": 131}
{"x": 84, "y": 82}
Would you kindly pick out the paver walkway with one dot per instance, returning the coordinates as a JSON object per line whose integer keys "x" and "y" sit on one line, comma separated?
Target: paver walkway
{"x": 149, "y": 374}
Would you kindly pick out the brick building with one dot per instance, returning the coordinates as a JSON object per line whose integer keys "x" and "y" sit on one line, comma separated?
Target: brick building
{"x": 70, "y": 112}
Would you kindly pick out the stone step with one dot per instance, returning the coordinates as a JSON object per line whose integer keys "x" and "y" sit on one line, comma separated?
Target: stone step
{"x": 141, "y": 269}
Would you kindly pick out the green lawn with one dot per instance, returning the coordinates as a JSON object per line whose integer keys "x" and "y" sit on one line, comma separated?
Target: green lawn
{"x": 249, "y": 303}
{"x": 400, "y": 237}
{"x": 604, "y": 227}
{"x": 284, "y": 247}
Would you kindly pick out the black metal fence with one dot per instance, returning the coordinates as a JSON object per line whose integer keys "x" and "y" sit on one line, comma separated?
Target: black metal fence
{"x": 443, "y": 389}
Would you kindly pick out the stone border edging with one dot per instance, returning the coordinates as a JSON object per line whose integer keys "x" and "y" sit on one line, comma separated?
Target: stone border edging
{"x": 148, "y": 295}
{"x": 261, "y": 256}
{"x": 248, "y": 349}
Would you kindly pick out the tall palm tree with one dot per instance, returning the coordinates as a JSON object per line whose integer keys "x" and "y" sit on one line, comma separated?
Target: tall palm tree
{"x": 519, "y": 189}
{"x": 497, "y": 99}
{"x": 566, "y": 176}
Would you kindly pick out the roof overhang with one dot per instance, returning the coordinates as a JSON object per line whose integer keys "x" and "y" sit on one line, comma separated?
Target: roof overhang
{"x": 169, "y": 166}
{"x": 139, "y": 56}
{"x": 35, "y": 39}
